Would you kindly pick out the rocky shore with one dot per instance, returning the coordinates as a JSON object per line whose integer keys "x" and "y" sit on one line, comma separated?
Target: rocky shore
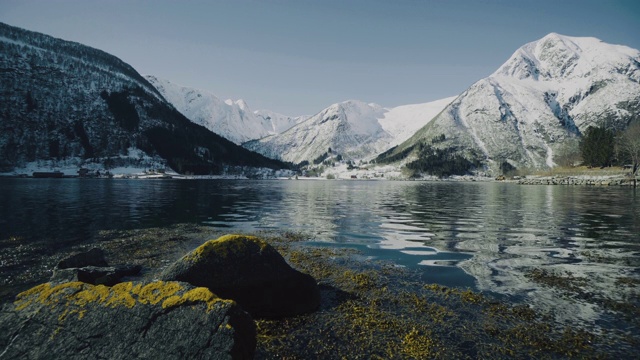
{"x": 577, "y": 180}
{"x": 352, "y": 308}
{"x": 197, "y": 310}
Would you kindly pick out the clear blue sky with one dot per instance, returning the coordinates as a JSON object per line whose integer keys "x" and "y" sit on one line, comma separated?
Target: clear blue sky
{"x": 299, "y": 56}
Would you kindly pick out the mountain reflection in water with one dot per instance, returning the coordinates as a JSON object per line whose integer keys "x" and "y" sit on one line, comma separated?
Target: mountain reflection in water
{"x": 488, "y": 236}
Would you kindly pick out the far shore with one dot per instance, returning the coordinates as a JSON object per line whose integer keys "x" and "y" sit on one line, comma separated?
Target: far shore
{"x": 612, "y": 176}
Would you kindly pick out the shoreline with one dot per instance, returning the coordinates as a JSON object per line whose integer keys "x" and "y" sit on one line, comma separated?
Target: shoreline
{"x": 569, "y": 179}
{"x": 577, "y": 180}
{"x": 369, "y": 308}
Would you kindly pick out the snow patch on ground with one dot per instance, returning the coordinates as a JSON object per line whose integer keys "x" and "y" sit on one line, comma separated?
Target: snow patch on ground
{"x": 136, "y": 161}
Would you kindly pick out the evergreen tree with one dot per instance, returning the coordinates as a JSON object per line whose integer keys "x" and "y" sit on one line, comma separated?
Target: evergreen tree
{"x": 597, "y": 147}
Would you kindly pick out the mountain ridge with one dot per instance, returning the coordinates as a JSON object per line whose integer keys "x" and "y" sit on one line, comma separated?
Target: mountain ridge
{"x": 62, "y": 100}
{"x": 354, "y": 129}
{"x": 548, "y": 92}
{"x": 231, "y": 119}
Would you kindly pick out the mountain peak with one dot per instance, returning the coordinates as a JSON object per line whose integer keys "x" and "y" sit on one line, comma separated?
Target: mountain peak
{"x": 232, "y": 119}
{"x": 353, "y": 128}
{"x": 550, "y": 90}
{"x": 559, "y": 57}
{"x": 554, "y": 36}
{"x": 242, "y": 104}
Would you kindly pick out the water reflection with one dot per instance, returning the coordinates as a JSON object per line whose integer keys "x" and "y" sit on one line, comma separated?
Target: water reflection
{"x": 482, "y": 235}
{"x": 513, "y": 229}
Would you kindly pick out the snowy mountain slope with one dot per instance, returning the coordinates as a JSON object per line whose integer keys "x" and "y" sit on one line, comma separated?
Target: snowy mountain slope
{"x": 348, "y": 128}
{"x": 403, "y": 121}
{"x": 279, "y": 123}
{"x": 353, "y": 129}
{"x": 61, "y": 100}
{"x": 230, "y": 119}
{"x": 549, "y": 90}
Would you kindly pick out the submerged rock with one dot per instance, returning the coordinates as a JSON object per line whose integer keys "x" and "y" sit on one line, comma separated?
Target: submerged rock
{"x": 157, "y": 320}
{"x": 251, "y": 272}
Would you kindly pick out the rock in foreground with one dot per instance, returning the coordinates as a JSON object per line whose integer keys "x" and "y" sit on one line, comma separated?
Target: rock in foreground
{"x": 92, "y": 268}
{"x": 93, "y": 257}
{"x": 94, "y": 275}
{"x": 251, "y": 272}
{"x": 157, "y": 320}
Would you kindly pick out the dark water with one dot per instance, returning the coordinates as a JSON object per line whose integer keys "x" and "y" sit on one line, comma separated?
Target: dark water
{"x": 487, "y": 236}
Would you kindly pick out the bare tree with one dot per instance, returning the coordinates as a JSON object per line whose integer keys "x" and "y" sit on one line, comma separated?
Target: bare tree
{"x": 568, "y": 154}
{"x": 629, "y": 144}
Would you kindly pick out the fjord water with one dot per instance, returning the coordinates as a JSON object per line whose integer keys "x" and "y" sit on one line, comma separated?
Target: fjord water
{"x": 486, "y": 236}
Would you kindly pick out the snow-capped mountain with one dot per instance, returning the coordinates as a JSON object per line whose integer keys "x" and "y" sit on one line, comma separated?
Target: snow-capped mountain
{"x": 403, "y": 121}
{"x": 278, "y": 123}
{"x": 230, "y": 119}
{"x": 61, "y": 101}
{"x": 548, "y": 91}
{"x": 353, "y": 129}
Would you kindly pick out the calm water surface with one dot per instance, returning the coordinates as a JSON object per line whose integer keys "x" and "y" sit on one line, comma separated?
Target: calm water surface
{"x": 486, "y": 236}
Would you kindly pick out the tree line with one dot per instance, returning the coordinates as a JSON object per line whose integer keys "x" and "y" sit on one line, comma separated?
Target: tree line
{"x": 603, "y": 147}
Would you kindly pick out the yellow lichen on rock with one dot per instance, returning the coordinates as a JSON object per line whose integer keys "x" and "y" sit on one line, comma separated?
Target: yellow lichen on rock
{"x": 76, "y": 296}
{"x": 121, "y": 296}
{"x": 75, "y": 299}
{"x": 25, "y": 298}
{"x": 157, "y": 291}
{"x": 194, "y": 296}
{"x": 202, "y": 295}
{"x": 224, "y": 246}
{"x": 172, "y": 301}
{"x": 98, "y": 293}
{"x": 55, "y": 332}
{"x": 44, "y": 294}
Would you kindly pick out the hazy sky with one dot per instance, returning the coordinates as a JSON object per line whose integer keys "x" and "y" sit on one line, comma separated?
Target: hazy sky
{"x": 298, "y": 57}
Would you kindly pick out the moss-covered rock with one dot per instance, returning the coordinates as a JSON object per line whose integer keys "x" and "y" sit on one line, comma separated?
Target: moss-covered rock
{"x": 156, "y": 320}
{"x": 249, "y": 271}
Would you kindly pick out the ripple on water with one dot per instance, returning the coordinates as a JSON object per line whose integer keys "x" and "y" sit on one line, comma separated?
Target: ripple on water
{"x": 401, "y": 227}
{"x": 487, "y": 236}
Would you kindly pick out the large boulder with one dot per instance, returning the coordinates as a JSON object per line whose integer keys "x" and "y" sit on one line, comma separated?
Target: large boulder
{"x": 251, "y": 272}
{"x": 157, "y": 320}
